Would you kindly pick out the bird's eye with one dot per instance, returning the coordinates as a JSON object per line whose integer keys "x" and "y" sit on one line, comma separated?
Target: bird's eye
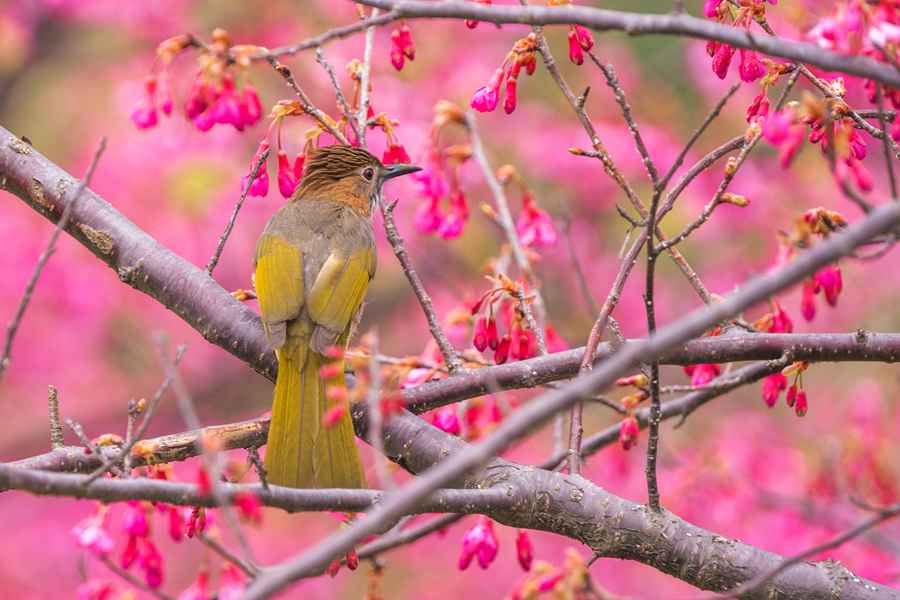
{"x": 369, "y": 174}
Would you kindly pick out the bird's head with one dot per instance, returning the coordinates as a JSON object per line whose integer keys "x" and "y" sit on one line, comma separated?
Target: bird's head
{"x": 347, "y": 174}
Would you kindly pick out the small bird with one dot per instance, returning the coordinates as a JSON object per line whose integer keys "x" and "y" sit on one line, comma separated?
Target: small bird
{"x": 313, "y": 263}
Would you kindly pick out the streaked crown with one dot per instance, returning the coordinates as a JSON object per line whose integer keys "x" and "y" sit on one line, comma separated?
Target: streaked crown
{"x": 329, "y": 164}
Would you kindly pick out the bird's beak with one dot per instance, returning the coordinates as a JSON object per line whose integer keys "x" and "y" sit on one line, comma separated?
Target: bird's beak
{"x": 398, "y": 170}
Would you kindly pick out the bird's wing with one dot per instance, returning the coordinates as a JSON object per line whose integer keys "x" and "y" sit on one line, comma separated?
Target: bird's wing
{"x": 339, "y": 289}
{"x": 279, "y": 285}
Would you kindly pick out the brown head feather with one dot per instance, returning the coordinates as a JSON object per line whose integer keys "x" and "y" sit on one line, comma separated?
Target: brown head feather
{"x": 329, "y": 164}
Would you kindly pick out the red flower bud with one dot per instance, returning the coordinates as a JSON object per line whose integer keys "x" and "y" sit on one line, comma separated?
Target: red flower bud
{"x": 502, "y": 352}
{"x": 575, "y": 53}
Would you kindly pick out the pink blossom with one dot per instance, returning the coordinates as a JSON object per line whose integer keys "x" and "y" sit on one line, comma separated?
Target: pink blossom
{"x": 199, "y": 590}
{"x": 251, "y": 107}
{"x": 287, "y": 180}
{"x": 199, "y": 97}
{"x": 129, "y": 552}
{"x": 777, "y": 126}
{"x": 91, "y": 532}
{"x": 479, "y": 541}
{"x": 857, "y": 145}
{"x": 829, "y": 278}
{"x": 501, "y": 354}
{"x": 576, "y": 55}
{"x": 492, "y": 334}
{"x": 486, "y": 97}
{"x": 750, "y": 68}
{"x": 134, "y": 521}
{"x": 759, "y": 107}
{"x": 151, "y": 563}
{"x": 351, "y": 559}
{"x": 454, "y": 221}
{"x": 863, "y": 178}
{"x": 226, "y": 110}
{"x": 772, "y": 388}
{"x": 232, "y": 586}
{"x": 260, "y": 185}
{"x": 802, "y": 405}
{"x": 702, "y": 374}
{"x": 203, "y": 122}
{"x": 509, "y": 98}
{"x": 479, "y": 339}
{"x": 791, "y": 395}
{"x": 534, "y": 225}
{"x": 196, "y": 523}
{"x": 629, "y": 433}
{"x": 428, "y": 216}
{"x": 781, "y": 322}
{"x": 143, "y": 115}
{"x": 585, "y": 37}
{"x": 430, "y": 182}
{"x": 395, "y": 154}
{"x": 176, "y": 524}
{"x": 397, "y": 57}
{"x": 722, "y": 60}
{"x": 249, "y": 507}
{"x": 524, "y": 549}
{"x": 407, "y": 45}
{"x": 446, "y": 419}
{"x": 808, "y": 300}
{"x": 711, "y": 8}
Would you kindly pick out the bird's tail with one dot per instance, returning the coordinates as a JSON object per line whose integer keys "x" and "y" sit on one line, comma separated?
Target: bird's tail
{"x": 303, "y": 451}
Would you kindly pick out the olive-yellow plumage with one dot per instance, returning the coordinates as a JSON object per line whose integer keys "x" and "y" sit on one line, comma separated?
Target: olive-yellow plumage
{"x": 314, "y": 261}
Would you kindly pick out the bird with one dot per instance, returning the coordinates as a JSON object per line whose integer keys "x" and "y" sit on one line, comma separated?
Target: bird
{"x": 313, "y": 262}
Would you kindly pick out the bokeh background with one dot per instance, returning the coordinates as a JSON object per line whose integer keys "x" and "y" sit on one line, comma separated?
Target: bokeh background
{"x": 70, "y": 72}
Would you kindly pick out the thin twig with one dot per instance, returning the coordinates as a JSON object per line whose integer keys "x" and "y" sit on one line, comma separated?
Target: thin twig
{"x": 613, "y": 82}
{"x": 56, "y": 433}
{"x": 434, "y": 324}
{"x": 13, "y": 325}
{"x": 237, "y": 207}
{"x": 529, "y": 318}
{"x": 340, "y": 95}
{"x": 888, "y": 163}
{"x": 321, "y": 118}
{"x": 362, "y": 114}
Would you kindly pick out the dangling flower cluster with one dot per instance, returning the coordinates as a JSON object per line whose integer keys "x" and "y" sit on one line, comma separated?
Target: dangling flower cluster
{"x": 402, "y": 45}
{"x": 479, "y": 541}
{"x": 751, "y": 67}
{"x": 816, "y": 223}
{"x": 221, "y": 93}
{"x": 776, "y": 321}
{"x": 630, "y": 430}
{"x": 289, "y": 175}
{"x": 796, "y": 395}
{"x": 519, "y": 341}
{"x": 437, "y": 181}
{"x": 523, "y": 54}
